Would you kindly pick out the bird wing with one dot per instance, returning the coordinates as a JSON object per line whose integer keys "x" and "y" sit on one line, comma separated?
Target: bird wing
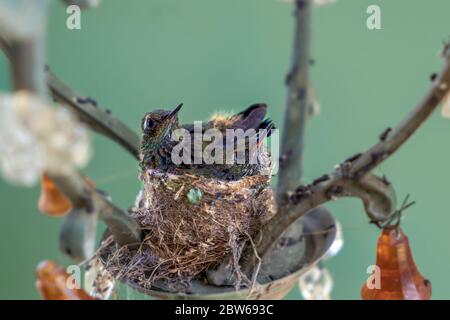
{"x": 250, "y": 118}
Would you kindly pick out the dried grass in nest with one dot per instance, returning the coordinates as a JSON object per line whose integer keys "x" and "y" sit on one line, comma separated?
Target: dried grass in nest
{"x": 190, "y": 224}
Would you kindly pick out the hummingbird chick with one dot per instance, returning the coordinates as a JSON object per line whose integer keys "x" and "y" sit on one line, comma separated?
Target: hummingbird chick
{"x": 157, "y": 144}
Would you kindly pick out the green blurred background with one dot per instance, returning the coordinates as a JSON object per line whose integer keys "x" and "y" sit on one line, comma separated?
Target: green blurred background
{"x": 134, "y": 56}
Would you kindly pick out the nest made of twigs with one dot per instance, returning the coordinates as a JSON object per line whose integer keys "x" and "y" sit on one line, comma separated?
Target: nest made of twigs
{"x": 190, "y": 224}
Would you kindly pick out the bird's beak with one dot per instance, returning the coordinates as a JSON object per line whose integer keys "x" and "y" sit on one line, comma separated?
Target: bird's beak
{"x": 175, "y": 111}
{"x": 171, "y": 119}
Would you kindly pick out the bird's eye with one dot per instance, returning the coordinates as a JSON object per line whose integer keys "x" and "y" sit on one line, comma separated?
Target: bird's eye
{"x": 148, "y": 124}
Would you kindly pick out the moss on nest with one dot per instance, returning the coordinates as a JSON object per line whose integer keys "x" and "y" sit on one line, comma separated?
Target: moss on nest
{"x": 190, "y": 224}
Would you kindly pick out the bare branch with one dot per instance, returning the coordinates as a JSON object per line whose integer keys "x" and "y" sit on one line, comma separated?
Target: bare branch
{"x": 6, "y": 48}
{"x": 86, "y": 109}
{"x": 394, "y": 138}
{"x": 125, "y": 229}
{"x": 97, "y": 119}
{"x": 376, "y": 193}
{"x": 290, "y": 172}
{"x": 27, "y": 65}
{"x": 352, "y": 178}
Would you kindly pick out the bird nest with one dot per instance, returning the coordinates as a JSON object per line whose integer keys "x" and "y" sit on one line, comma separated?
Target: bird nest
{"x": 190, "y": 224}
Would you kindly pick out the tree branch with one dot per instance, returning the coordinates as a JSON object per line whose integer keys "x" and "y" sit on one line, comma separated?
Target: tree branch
{"x": 291, "y": 167}
{"x": 352, "y": 177}
{"x": 6, "y": 48}
{"x": 393, "y": 139}
{"x": 97, "y": 119}
{"x": 86, "y": 109}
{"x": 125, "y": 229}
{"x": 27, "y": 70}
{"x": 28, "y": 73}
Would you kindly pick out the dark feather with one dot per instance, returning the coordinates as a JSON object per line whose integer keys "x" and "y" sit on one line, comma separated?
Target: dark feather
{"x": 267, "y": 125}
{"x": 250, "y": 118}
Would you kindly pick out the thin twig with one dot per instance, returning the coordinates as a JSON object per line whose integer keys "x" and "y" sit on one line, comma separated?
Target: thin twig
{"x": 351, "y": 178}
{"x": 291, "y": 159}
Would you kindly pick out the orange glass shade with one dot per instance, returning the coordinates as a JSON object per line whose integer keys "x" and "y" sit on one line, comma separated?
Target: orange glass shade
{"x": 400, "y": 279}
{"x": 52, "y": 201}
{"x": 52, "y": 283}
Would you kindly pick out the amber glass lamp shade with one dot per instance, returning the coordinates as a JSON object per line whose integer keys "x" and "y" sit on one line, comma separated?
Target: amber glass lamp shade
{"x": 400, "y": 278}
{"x": 52, "y": 283}
{"x": 52, "y": 201}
